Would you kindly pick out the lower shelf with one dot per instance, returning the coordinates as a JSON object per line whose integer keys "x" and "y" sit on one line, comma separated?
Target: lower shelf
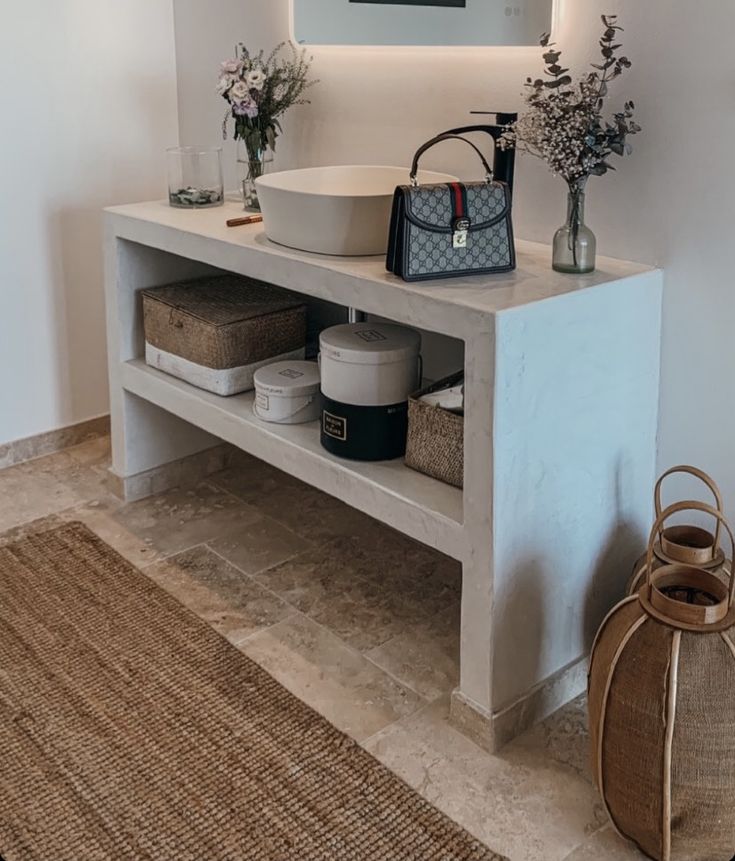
{"x": 419, "y": 506}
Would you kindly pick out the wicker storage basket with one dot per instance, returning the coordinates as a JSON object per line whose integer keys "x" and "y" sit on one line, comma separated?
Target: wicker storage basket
{"x": 216, "y": 332}
{"x": 690, "y": 545}
{"x": 662, "y": 710}
{"x": 435, "y": 444}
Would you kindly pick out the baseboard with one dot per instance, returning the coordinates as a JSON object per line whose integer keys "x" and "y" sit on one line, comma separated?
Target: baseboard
{"x": 494, "y": 731}
{"x": 21, "y": 450}
{"x": 178, "y": 473}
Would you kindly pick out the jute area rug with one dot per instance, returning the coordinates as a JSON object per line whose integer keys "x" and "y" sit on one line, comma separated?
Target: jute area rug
{"x": 131, "y": 731}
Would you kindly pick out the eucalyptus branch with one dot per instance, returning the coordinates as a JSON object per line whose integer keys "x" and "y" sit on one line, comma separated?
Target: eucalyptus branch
{"x": 564, "y": 124}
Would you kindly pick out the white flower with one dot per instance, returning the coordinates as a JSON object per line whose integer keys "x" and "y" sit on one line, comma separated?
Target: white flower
{"x": 224, "y": 83}
{"x": 239, "y": 91}
{"x": 279, "y": 92}
{"x": 231, "y": 67}
{"x": 255, "y": 79}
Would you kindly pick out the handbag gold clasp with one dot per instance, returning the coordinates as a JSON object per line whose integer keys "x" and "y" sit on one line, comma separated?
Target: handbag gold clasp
{"x": 460, "y": 230}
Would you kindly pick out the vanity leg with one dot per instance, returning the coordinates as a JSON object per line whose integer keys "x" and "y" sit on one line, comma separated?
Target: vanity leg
{"x": 560, "y": 448}
{"x": 152, "y": 449}
{"x": 472, "y": 701}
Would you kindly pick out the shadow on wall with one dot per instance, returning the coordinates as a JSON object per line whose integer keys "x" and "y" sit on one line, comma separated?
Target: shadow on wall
{"x": 624, "y": 545}
{"x": 522, "y": 623}
{"x": 607, "y": 587}
{"x": 78, "y": 310}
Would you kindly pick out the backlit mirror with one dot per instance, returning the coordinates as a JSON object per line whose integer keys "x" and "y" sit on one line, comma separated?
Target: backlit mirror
{"x": 421, "y": 22}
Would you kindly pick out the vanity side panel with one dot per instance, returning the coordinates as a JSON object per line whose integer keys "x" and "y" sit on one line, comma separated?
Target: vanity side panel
{"x": 575, "y": 432}
{"x": 144, "y": 437}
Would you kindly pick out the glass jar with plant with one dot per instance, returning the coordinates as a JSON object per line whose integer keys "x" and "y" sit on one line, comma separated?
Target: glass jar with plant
{"x": 258, "y": 90}
{"x": 564, "y": 125}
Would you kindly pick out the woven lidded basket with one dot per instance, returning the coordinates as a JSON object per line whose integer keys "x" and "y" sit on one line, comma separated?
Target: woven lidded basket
{"x": 435, "y": 444}
{"x": 662, "y": 709}
{"x": 685, "y": 543}
{"x": 223, "y": 322}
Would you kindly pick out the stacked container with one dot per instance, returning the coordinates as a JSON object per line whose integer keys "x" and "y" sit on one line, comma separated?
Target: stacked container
{"x": 368, "y": 371}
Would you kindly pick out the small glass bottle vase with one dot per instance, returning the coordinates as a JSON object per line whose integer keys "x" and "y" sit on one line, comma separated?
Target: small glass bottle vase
{"x": 251, "y": 165}
{"x": 575, "y": 246}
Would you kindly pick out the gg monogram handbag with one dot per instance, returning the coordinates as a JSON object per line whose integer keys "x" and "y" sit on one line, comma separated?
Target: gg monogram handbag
{"x": 443, "y": 231}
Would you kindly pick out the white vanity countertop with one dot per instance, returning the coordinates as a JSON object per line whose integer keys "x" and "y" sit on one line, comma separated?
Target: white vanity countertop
{"x": 359, "y": 281}
{"x": 561, "y": 384}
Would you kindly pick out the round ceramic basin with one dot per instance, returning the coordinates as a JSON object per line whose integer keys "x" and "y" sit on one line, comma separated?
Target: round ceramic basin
{"x": 334, "y": 210}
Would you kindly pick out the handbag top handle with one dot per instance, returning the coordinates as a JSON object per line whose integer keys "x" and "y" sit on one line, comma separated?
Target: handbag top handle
{"x": 439, "y": 139}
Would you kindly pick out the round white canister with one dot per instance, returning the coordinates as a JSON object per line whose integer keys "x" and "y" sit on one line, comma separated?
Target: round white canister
{"x": 287, "y": 392}
{"x": 369, "y": 364}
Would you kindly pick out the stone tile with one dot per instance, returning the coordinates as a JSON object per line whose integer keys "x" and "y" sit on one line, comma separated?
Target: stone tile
{"x": 607, "y": 846}
{"x": 259, "y": 544}
{"x": 425, "y": 658}
{"x": 43, "y": 487}
{"x": 561, "y": 688}
{"x": 366, "y": 597}
{"x": 563, "y": 738}
{"x": 305, "y": 510}
{"x": 183, "y": 518}
{"x": 99, "y": 516}
{"x": 94, "y": 452}
{"x": 88, "y": 468}
{"x": 337, "y": 681}
{"x": 530, "y": 811}
{"x": 330, "y": 593}
{"x": 252, "y": 479}
{"x": 41, "y": 524}
{"x": 219, "y": 593}
{"x": 318, "y": 517}
{"x": 396, "y": 561}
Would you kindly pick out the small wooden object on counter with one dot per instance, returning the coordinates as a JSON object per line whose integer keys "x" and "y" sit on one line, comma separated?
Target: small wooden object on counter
{"x": 662, "y": 709}
{"x": 688, "y": 544}
{"x": 245, "y": 219}
{"x": 436, "y": 436}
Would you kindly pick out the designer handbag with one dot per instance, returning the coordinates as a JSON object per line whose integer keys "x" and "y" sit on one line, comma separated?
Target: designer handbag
{"x": 442, "y": 231}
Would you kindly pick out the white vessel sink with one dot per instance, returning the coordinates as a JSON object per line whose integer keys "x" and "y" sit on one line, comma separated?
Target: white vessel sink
{"x": 334, "y": 210}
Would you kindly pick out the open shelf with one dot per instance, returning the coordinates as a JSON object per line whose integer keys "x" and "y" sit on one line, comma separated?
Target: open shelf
{"x": 422, "y": 507}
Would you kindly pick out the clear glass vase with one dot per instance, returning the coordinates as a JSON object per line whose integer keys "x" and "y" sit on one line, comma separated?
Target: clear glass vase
{"x": 251, "y": 165}
{"x": 195, "y": 177}
{"x": 575, "y": 245}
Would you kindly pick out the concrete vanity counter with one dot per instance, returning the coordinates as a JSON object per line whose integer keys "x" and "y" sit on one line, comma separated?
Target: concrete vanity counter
{"x": 562, "y": 378}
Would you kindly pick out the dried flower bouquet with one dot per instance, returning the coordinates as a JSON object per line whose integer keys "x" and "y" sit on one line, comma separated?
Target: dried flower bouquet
{"x": 565, "y": 124}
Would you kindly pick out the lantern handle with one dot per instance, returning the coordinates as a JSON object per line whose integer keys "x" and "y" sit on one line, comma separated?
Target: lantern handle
{"x": 689, "y": 506}
{"x": 705, "y": 479}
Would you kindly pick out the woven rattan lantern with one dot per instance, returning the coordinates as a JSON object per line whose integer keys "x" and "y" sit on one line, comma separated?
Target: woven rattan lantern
{"x": 690, "y": 545}
{"x": 662, "y": 710}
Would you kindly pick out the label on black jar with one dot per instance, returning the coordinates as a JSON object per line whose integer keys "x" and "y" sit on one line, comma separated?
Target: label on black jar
{"x": 334, "y": 426}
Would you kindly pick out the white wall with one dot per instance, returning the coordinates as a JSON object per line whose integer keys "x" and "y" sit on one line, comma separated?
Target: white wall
{"x": 88, "y": 106}
{"x": 671, "y": 203}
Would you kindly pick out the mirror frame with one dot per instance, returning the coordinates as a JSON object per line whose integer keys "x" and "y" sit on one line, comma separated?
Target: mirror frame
{"x": 556, "y": 13}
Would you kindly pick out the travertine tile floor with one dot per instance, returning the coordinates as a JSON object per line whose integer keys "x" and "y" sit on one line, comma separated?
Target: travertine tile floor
{"x": 355, "y": 619}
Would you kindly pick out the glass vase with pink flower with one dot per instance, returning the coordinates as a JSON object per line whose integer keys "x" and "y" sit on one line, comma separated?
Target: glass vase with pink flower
{"x": 258, "y": 90}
